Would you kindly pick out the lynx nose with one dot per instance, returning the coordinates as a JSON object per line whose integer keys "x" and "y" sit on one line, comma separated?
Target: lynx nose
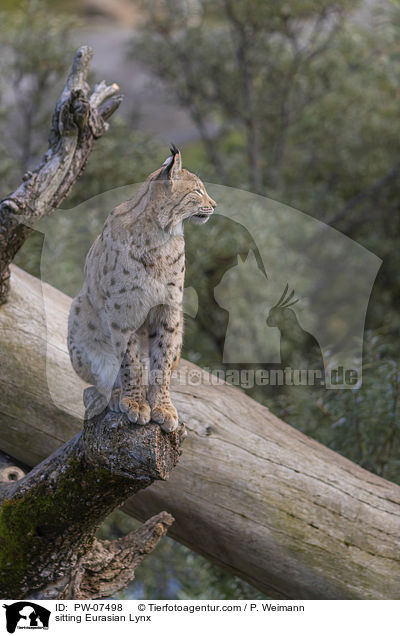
{"x": 212, "y": 202}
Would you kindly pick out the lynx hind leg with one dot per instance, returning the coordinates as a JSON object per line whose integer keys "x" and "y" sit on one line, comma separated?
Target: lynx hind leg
{"x": 94, "y": 402}
{"x": 76, "y": 339}
{"x": 91, "y": 354}
{"x": 133, "y": 390}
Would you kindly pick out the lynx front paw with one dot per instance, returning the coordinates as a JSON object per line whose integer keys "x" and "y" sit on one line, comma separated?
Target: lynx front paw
{"x": 166, "y": 416}
{"x": 138, "y": 411}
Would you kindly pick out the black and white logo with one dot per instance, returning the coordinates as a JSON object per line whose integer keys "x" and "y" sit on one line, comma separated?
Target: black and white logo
{"x": 26, "y": 615}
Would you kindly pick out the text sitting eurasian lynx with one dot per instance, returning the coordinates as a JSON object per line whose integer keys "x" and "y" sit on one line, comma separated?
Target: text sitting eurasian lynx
{"x": 129, "y": 309}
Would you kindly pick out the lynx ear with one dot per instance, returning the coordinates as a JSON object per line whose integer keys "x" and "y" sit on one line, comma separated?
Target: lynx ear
{"x": 173, "y": 165}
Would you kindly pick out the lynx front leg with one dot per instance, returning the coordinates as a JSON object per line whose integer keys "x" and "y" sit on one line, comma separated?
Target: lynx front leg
{"x": 132, "y": 399}
{"x": 165, "y": 345}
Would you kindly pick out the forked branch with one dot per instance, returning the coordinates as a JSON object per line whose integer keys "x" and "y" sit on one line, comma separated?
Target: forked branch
{"x": 80, "y": 117}
{"x": 48, "y": 518}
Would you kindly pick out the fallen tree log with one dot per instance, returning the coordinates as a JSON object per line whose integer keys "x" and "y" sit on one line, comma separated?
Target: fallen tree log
{"x": 250, "y": 492}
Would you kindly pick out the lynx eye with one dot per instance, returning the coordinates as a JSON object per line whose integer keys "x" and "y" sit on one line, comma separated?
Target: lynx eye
{"x": 199, "y": 191}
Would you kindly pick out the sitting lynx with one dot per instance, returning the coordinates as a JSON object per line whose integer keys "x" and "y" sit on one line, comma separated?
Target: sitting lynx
{"x": 130, "y": 307}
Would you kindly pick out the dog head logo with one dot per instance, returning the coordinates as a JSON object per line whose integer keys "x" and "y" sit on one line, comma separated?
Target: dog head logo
{"x": 26, "y": 615}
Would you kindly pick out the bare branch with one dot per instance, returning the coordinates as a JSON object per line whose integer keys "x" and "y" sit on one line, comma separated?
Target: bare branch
{"x": 372, "y": 190}
{"x": 79, "y": 119}
{"x": 110, "y": 565}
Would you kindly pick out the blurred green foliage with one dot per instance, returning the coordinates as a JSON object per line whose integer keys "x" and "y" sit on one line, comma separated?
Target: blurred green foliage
{"x": 296, "y": 100}
{"x": 306, "y": 110}
{"x": 32, "y": 65}
{"x": 304, "y": 99}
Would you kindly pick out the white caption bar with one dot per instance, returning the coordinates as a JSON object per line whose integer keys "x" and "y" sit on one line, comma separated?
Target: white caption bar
{"x": 125, "y": 617}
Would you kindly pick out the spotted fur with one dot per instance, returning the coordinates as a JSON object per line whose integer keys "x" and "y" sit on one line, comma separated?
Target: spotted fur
{"x": 128, "y": 315}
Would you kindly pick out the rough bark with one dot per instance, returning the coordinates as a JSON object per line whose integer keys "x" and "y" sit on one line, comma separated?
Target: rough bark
{"x": 79, "y": 119}
{"x": 109, "y": 565}
{"x": 250, "y": 493}
{"x": 48, "y": 518}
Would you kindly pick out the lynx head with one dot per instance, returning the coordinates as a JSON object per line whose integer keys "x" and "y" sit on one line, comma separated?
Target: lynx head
{"x": 180, "y": 194}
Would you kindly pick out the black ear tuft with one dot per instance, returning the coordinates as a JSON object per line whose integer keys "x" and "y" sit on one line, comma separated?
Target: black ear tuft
{"x": 172, "y": 166}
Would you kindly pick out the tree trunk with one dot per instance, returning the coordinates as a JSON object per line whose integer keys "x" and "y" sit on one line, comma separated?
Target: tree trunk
{"x": 250, "y": 493}
{"x": 48, "y": 518}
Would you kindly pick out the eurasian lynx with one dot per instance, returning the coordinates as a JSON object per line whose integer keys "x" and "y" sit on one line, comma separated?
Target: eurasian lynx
{"x": 130, "y": 307}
